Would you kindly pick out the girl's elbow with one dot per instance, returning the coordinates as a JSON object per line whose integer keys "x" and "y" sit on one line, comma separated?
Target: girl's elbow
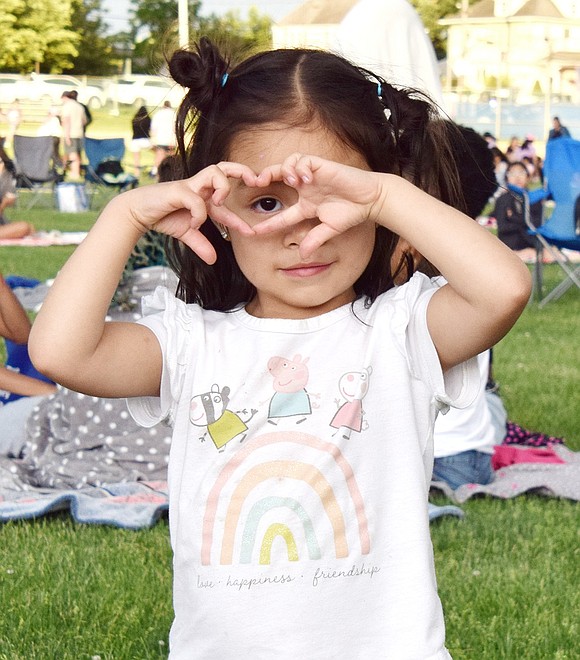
{"x": 43, "y": 358}
{"x": 516, "y": 294}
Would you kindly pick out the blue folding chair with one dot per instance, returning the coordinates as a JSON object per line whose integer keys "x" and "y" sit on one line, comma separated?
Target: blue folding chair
{"x": 105, "y": 165}
{"x": 560, "y": 234}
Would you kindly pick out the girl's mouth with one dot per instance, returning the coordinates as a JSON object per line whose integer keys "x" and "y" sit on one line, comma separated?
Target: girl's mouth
{"x": 306, "y": 270}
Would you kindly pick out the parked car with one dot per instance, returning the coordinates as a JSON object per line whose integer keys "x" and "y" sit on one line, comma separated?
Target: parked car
{"x": 50, "y": 88}
{"x": 10, "y": 84}
{"x": 150, "y": 91}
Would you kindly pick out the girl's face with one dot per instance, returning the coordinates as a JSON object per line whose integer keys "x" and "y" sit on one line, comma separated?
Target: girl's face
{"x": 518, "y": 176}
{"x": 288, "y": 286}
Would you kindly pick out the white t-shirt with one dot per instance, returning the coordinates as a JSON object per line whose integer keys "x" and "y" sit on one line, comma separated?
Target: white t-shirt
{"x": 469, "y": 428}
{"x": 298, "y": 476}
{"x": 163, "y": 127}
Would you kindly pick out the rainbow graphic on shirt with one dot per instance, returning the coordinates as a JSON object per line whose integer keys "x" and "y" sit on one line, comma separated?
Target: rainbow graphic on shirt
{"x": 286, "y": 495}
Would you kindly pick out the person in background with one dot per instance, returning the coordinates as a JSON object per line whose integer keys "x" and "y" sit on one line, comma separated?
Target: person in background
{"x": 141, "y": 136}
{"x": 558, "y": 130}
{"x": 490, "y": 139}
{"x": 513, "y": 150}
{"x": 10, "y": 229}
{"x": 464, "y": 439}
{"x": 74, "y": 95}
{"x": 13, "y": 118}
{"x": 73, "y": 120}
{"x": 510, "y": 208}
{"x": 51, "y": 127}
{"x": 500, "y": 165}
{"x": 21, "y": 385}
{"x": 162, "y": 134}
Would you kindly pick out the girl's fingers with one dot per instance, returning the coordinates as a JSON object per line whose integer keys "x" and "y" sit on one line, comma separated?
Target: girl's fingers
{"x": 228, "y": 218}
{"x": 287, "y": 218}
{"x": 316, "y": 237}
{"x": 199, "y": 244}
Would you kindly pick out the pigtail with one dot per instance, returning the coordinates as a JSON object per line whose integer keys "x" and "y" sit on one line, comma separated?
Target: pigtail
{"x": 202, "y": 72}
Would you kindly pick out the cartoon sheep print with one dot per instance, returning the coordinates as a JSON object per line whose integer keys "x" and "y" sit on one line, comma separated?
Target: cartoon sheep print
{"x": 353, "y": 387}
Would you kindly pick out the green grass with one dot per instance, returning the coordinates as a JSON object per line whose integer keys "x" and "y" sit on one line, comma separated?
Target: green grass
{"x": 508, "y": 573}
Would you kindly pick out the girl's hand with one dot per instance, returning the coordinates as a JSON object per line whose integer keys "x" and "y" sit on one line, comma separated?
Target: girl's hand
{"x": 179, "y": 208}
{"x": 339, "y": 196}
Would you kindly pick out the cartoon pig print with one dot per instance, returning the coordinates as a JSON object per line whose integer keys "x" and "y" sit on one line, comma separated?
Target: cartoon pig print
{"x": 210, "y": 410}
{"x": 353, "y": 387}
{"x": 290, "y": 379}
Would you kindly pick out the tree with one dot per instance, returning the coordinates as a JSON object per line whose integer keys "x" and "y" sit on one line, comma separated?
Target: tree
{"x": 37, "y": 34}
{"x": 158, "y": 18}
{"x": 157, "y": 21}
{"x": 95, "y": 50}
{"x": 430, "y": 12}
{"x": 240, "y": 36}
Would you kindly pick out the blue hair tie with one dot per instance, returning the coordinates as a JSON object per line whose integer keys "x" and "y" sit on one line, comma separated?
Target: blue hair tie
{"x": 379, "y": 90}
{"x": 225, "y": 79}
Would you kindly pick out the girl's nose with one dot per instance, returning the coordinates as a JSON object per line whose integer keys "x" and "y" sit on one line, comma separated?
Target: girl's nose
{"x": 295, "y": 235}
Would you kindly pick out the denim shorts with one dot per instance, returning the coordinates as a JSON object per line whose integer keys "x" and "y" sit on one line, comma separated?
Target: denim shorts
{"x": 468, "y": 467}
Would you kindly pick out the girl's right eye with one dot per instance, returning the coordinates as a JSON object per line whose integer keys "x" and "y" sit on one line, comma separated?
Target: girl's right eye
{"x": 267, "y": 205}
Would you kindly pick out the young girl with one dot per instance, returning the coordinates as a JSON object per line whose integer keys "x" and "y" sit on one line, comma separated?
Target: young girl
{"x": 301, "y": 383}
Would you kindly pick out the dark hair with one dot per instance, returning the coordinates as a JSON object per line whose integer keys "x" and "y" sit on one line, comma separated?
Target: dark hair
{"x": 141, "y": 113}
{"x": 395, "y": 130}
{"x": 517, "y": 163}
{"x": 476, "y": 170}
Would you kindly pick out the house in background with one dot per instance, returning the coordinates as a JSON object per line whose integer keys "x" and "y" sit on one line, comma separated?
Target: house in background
{"x": 313, "y": 24}
{"x": 517, "y": 49}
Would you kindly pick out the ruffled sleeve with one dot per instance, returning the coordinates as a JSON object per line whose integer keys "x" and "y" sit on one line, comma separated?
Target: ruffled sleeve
{"x": 458, "y": 387}
{"x": 172, "y": 322}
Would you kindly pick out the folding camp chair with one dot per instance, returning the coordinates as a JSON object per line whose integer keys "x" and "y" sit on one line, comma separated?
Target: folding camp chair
{"x": 34, "y": 166}
{"x": 104, "y": 169}
{"x": 560, "y": 234}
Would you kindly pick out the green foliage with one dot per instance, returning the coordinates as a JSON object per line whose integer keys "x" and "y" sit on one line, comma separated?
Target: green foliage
{"x": 159, "y": 19}
{"x": 95, "y": 51}
{"x": 431, "y": 11}
{"x": 37, "y": 33}
{"x": 239, "y": 37}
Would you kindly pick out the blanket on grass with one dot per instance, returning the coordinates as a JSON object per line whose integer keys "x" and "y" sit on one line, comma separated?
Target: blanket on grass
{"x": 558, "y": 475}
{"x": 46, "y": 238}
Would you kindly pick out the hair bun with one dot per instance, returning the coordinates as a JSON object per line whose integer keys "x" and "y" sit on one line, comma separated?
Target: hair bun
{"x": 201, "y": 71}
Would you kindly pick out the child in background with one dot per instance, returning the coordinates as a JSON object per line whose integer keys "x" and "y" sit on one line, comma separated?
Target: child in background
{"x": 509, "y": 212}
{"x": 301, "y": 383}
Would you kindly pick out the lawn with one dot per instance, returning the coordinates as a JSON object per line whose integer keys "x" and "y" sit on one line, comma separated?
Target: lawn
{"x": 508, "y": 573}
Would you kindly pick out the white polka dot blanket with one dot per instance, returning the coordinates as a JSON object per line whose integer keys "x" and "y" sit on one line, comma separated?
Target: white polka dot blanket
{"x": 87, "y": 455}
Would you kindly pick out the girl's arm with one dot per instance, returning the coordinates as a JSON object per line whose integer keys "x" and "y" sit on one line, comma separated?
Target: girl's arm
{"x": 488, "y": 286}
{"x": 12, "y": 381}
{"x": 14, "y": 322}
{"x": 70, "y": 341}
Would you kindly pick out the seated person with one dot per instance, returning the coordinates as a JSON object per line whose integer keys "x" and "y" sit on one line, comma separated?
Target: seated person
{"x": 509, "y": 212}
{"x": 464, "y": 438}
{"x": 8, "y": 229}
{"x": 21, "y": 386}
